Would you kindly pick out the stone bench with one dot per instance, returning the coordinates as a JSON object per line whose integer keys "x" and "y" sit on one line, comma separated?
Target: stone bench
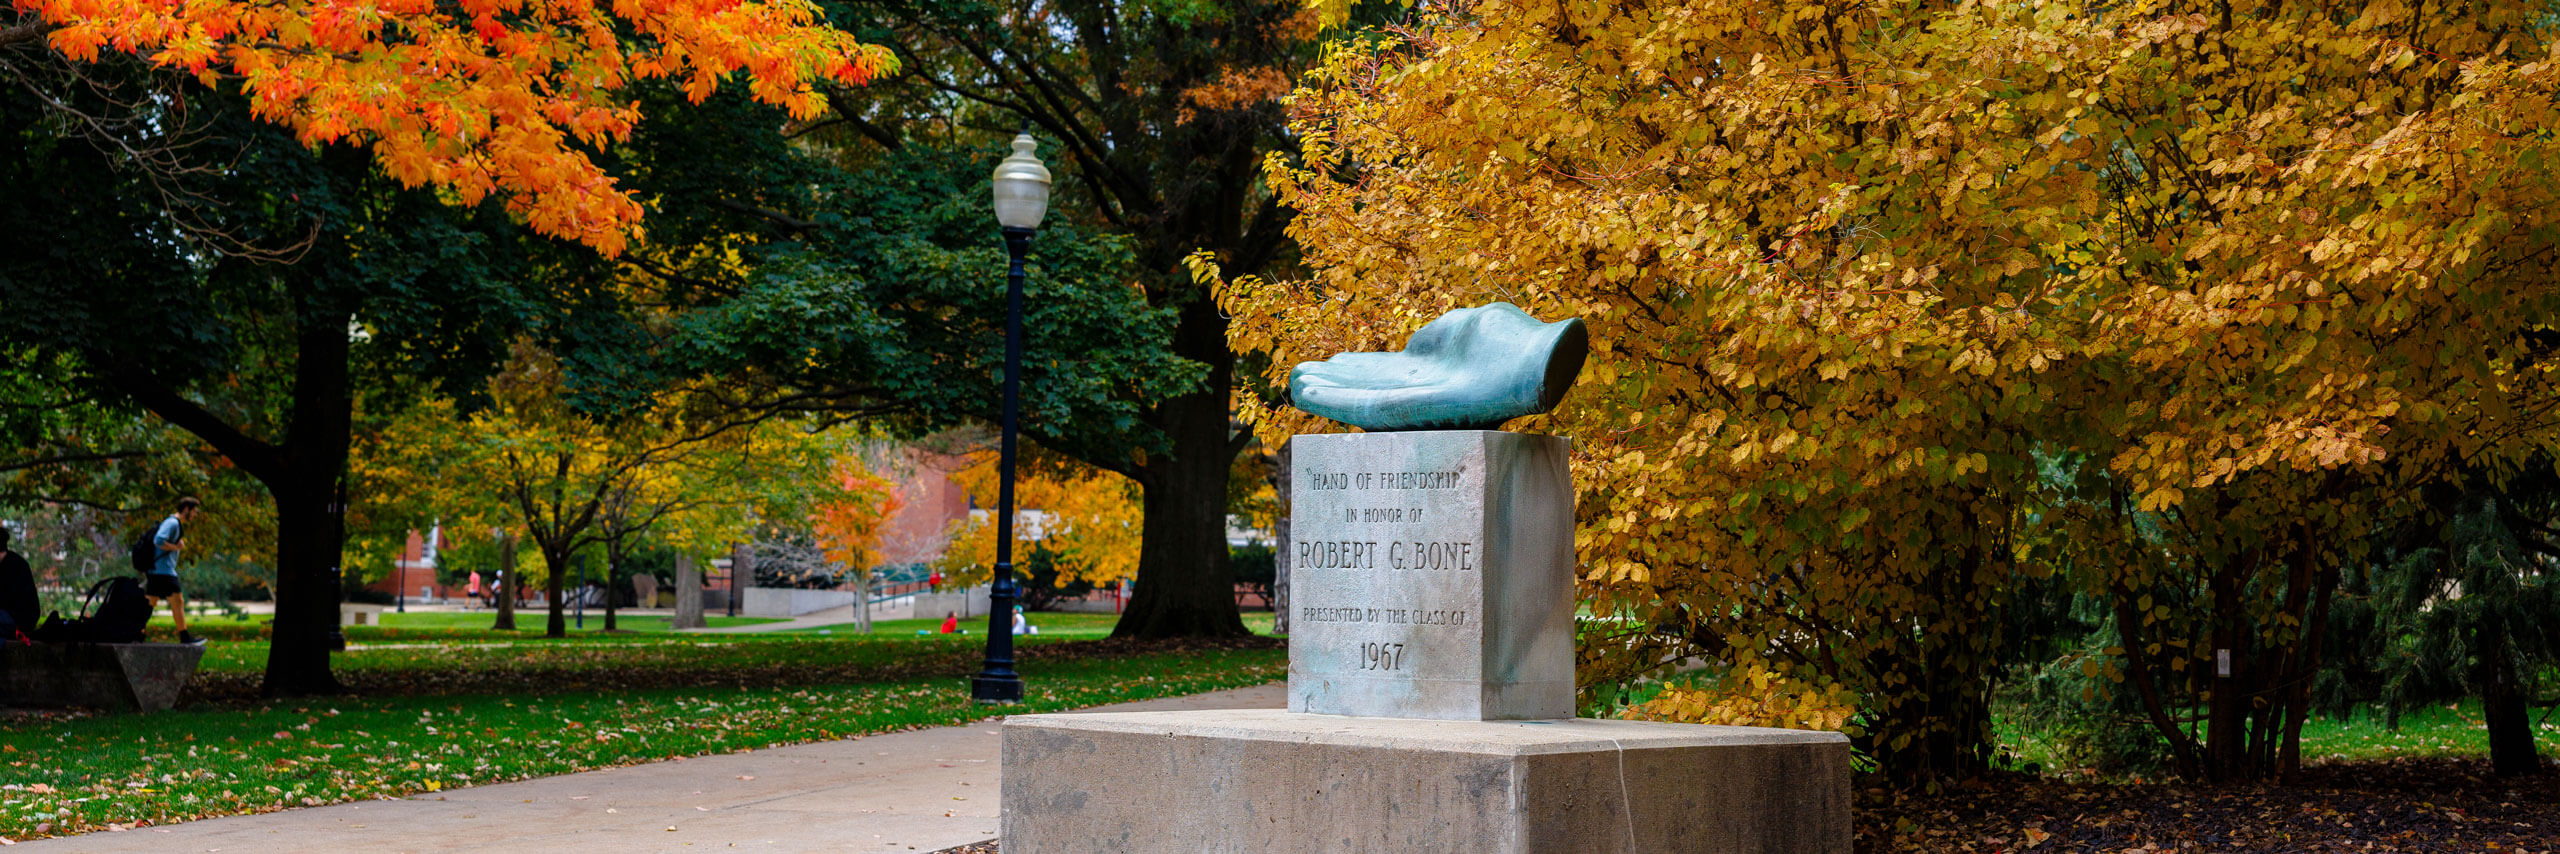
{"x": 130, "y": 677}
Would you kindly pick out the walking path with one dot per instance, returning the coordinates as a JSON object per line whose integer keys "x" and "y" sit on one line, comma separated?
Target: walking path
{"x": 836, "y": 616}
{"x": 923, "y": 790}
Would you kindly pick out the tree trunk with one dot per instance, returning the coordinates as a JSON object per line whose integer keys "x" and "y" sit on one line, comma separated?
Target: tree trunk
{"x": 2503, "y": 702}
{"x": 310, "y": 526}
{"x": 1949, "y": 713}
{"x": 2139, "y": 671}
{"x": 862, "y": 602}
{"x": 2308, "y": 646}
{"x": 688, "y": 595}
{"x": 555, "y": 588}
{"x": 505, "y": 589}
{"x": 612, "y": 591}
{"x": 306, "y": 593}
{"x": 1282, "y": 475}
{"x": 2226, "y": 755}
{"x": 1184, "y": 586}
{"x": 742, "y": 575}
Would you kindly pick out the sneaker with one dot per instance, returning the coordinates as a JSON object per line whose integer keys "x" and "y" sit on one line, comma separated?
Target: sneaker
{"x": 190, "y": 639}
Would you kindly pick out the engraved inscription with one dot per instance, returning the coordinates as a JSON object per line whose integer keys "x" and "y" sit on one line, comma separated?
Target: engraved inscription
{"x": 1312, "y": 614}
{"x": 1403, "y": 548}
{"x": 1385, "y": 480}
{"x": 1432, "y": 556}
{"x": 1389, "y": 616}
{"x": 1338, "y": 555}
{"x": 1375, "y": 515}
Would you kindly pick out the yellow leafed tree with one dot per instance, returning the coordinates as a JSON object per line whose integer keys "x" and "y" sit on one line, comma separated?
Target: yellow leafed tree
{"x": 1087, "y": 518}
{"x": 1896, "y": 306}
{"x": 570, "y": 481}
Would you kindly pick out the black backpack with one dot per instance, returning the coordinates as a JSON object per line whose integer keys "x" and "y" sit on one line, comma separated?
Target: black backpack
{"x": 118, "y": 618}
{"x": 146, "y": 549}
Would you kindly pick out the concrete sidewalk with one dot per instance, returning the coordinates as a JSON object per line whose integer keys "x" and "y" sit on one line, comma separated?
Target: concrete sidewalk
{"x": 836, "y": 616}
{"x": 924, "y": 790}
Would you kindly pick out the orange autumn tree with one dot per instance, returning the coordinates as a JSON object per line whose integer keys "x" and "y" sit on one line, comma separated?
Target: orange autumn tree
{"x": 1900, "y": 307}
{"x": 849, "y": 519}
{"x": 476, "y": 96}
{"x": 848, "y": 522}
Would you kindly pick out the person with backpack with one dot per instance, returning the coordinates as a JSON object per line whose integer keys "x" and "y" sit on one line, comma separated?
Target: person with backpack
{"x": 161, "y": 582}
{"x": 18, "y": 606}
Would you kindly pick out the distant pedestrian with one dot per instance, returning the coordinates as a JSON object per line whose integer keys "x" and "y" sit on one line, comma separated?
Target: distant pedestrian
{"x": 474, "y": 590}
{"x": 161, "y": 583}
{"x": 934, "y": 581}
{"x": 17, "y": 591}
{"x": 950, "y": 622}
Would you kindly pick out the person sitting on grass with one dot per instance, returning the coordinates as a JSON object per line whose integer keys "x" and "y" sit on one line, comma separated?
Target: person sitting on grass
{"x": 950, "y": 622}
{"x": 161, "y": 583}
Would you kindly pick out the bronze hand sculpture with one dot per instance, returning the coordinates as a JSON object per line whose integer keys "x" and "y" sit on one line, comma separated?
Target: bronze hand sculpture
{"x": 1470, "y": 369}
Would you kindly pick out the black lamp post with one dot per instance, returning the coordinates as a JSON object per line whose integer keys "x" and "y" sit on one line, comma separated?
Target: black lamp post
{"x": 1022, "y": 198}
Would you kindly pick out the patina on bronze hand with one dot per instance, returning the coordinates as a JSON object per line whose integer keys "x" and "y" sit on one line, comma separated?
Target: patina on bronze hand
{"x": 1470, "y": 369}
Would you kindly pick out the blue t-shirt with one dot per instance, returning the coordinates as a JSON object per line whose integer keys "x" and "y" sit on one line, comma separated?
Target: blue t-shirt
{"x": 166, "y": 562}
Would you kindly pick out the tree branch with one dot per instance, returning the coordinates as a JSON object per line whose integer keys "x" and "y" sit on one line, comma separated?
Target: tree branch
{"x": 634, "y": 261}
{"x": 98, "y": 457}
{"x": 44, "y": 498}
{"x": 787, "y": 221}
{"x": 846, "y": 115}
{"x": 26, "y": 32}
{"x": 261, "y": 459}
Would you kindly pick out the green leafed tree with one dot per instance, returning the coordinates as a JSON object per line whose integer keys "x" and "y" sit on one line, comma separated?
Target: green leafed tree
{"x": 1155, "y": 117}
{"x": 2465, "y": 602}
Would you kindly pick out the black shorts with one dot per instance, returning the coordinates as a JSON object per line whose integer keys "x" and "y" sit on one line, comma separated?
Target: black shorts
{"x": 159, "y": 586}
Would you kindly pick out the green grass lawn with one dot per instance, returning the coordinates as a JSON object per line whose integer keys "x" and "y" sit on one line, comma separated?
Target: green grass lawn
{"x": 2443, "y": 730}
{"x": 1050, "y": 623}
{"x": 2453, "y": 730}
{"x": 80, "y": 773}
{"x": 531, "y": 620}
{"x": 443, "y": 701}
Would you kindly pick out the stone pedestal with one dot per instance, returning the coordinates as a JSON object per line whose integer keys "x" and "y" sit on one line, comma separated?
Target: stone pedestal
{"x": 1431, "y": 698}
{"x": 1432, "y": 576}
{"x": 127, "y": 677}
{"x": 1247, "y": 781}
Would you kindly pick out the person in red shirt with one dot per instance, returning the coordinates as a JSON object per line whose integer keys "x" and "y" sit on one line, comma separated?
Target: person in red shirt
{"x": 950, "y": 622}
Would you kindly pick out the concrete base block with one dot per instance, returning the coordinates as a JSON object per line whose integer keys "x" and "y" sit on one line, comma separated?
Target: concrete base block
{"x": 1273, "y": 781}
{"x": 1431, "y": 576}
{"x": 130, "y": 677}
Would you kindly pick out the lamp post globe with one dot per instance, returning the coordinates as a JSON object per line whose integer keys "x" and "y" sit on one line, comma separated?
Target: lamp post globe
{"x": 1021, "y": 200}
{"x": 1021, "y": 186}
